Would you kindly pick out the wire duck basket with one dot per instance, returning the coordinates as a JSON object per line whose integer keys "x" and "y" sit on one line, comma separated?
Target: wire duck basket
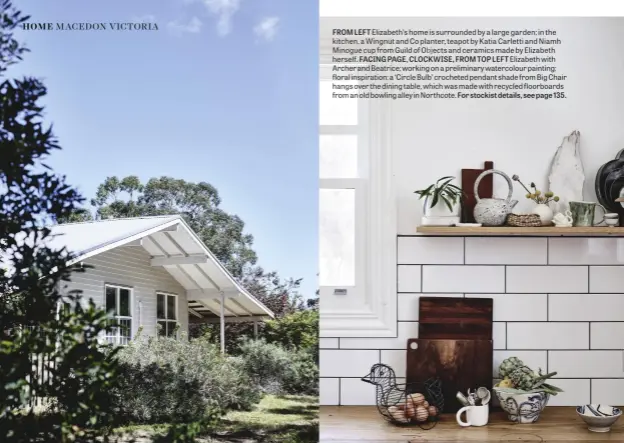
{"x": 419, "y": 403}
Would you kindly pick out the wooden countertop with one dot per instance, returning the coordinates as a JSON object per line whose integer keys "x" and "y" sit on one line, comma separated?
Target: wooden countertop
{"x": 363, "y": 423}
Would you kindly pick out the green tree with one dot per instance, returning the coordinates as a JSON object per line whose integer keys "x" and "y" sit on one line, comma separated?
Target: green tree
{"x": 198, "y": 203}
{"x": 33, "y": 196}
{"x": 297, "y": 331}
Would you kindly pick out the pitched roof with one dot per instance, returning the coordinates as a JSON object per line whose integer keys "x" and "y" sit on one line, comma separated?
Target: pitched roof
{"x": 172, "y": 244}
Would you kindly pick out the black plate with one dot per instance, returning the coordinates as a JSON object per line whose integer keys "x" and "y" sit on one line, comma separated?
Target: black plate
{"x": 601, "y": 179}
{"x": 598, "y": 186}
{"x": 614, "y": 192}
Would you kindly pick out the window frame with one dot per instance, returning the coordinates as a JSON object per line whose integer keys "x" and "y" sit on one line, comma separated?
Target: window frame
{"x": 371, "y": 309}
{"x": 166, "y": 306}
{"x": 117, "y": 338}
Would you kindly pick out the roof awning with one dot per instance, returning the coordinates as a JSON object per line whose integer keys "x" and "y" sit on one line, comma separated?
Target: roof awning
{"x": 173, "y": 245}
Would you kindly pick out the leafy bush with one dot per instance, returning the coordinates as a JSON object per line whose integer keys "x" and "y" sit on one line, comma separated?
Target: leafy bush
{"x": 298, "y": 331}
{"x": 302, "y": 379}
{"x": 266, "y": 364}
{"x": 166, "y": 380}
{"x": 277, "y": 370}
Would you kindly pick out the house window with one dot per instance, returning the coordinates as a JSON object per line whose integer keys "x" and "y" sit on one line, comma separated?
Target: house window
{"x": 166, "y": 313}
{"x": 343, "y": 172}
{"x": 119, "y": 306}
{"x": 357, "y": 212}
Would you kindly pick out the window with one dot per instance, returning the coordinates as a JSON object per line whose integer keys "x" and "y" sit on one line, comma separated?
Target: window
{"x": 166, "y": 313}
{"x": 357, "y": 226}
{"x": 119, "y": 306}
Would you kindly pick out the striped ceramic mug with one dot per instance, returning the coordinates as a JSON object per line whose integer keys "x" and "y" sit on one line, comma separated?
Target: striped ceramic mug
{"x": 583, "y": 213}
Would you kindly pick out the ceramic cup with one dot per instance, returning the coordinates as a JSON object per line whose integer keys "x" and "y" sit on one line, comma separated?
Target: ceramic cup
{"x": 583, "y": 213}
{"x": 475, "y": 415}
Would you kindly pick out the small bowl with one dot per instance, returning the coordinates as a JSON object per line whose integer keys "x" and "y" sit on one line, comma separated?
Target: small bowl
{"x": 599, "y": 418}
{"x": 522, "y": 408}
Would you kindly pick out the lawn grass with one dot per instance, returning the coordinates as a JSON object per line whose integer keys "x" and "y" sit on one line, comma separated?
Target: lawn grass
{"x": 283, "y": 419}
{"x": 276, "y": 419}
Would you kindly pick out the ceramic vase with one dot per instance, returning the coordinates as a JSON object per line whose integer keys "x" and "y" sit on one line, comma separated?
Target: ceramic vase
{"x": 545, "y": 213}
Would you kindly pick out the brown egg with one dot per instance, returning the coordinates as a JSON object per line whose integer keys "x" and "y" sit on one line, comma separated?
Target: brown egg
{"x": 397, "y": 414}
{"x": 425, "y": 404}
{"x": 410, "y": 408}
{"x": 433, "y": 411}
{"x": 417, "y": 398}
{"x": 421, "y": 414}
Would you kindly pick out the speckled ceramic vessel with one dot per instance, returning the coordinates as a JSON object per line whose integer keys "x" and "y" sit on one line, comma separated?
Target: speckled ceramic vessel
{"x": 493, "y": 211}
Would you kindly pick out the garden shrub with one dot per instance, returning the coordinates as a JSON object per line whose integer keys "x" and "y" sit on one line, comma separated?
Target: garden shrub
{"x": 267, "y": 364}
{"x": 169, "y": 380}
{"x": 278, "y": 370}
{"x": 303, "y": 377}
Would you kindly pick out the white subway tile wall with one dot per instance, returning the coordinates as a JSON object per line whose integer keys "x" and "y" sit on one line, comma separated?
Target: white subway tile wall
{"x": 558, "y": 306}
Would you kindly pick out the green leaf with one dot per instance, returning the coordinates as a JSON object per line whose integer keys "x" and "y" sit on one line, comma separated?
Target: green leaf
{"x": 448, "y": 203}
{"x": 446, "y": 183}
{"x": 444, "y": 178}
{"x": 436, "y": 197}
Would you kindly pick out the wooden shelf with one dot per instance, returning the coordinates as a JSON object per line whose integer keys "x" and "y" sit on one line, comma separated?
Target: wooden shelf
{"x": 550, "y": 231}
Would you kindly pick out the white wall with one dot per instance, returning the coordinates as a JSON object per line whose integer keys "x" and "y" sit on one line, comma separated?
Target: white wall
{"x": 432, "y": 139}
{"x": 130, "y": 266}
{"x": 559, "y": 302}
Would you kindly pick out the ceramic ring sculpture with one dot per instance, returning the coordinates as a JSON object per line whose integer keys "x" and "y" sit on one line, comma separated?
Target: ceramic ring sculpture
{"x": 493, "y": 211}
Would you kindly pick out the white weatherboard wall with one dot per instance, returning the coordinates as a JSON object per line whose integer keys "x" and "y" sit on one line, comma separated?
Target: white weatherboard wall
{"x": 130, "y": 266}
{"x": 558, "y": 302}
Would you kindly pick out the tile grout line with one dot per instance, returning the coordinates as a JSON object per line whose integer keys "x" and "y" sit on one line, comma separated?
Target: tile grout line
{"x": 591, "y": 382}
{"x": 506, "y": 335}
{"x": 339, "y": 391}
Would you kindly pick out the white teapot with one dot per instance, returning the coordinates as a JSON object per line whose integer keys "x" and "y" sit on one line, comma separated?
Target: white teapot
{"x": 563, "y": 220}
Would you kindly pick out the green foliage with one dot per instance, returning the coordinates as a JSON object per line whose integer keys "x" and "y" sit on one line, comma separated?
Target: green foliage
{"x": 302, "y": 379}
{"x": 277, "y": 370}
{"x": 298, "y": 331}
{"x": 33, "y": 196}
{"x": 198, "y": 203}
{"x": 267, "y": 364}
{"x": 164, "y": 379}
{"x": 446, "y": 192}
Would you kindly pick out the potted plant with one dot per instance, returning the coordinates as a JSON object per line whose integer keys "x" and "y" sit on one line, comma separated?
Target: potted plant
{"x": 442, "y": 200}
{"x": 542, "y": 201}
{"x": 522, "y": 392}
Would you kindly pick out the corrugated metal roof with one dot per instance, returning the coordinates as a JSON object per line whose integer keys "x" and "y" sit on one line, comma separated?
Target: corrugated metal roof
{"x": 82, "y": 238}
{"x": 168, "y": 238}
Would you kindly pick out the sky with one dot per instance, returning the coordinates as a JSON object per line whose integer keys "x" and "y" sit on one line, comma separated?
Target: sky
{"x": 225, "y": 91}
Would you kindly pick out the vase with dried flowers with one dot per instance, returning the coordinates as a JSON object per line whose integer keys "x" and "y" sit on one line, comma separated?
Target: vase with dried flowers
{"x": 542, "y": 200}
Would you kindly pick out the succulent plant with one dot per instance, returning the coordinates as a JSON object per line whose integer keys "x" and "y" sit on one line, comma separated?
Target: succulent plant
{"x": 509, "y": 365}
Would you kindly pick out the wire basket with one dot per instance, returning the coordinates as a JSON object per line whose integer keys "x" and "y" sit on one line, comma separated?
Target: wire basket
{"x": 419, "y": 403}
{"x": 524, "y": 220}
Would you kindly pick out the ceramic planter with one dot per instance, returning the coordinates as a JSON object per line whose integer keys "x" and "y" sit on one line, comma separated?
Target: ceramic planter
{"x": 439, "y": 215}
{"x": 545, "y": 213}
{"x": 522, "y": 408}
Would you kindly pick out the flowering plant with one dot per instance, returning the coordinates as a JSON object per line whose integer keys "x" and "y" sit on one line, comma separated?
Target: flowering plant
{"x": 536, "y": 195}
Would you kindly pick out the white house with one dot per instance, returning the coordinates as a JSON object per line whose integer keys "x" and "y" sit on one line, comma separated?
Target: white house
{"x": 151, "y": 271}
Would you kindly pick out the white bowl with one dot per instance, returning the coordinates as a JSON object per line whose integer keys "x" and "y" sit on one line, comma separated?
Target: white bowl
{"x": 522, "y": 408}
{"x": 599, "y": 418}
